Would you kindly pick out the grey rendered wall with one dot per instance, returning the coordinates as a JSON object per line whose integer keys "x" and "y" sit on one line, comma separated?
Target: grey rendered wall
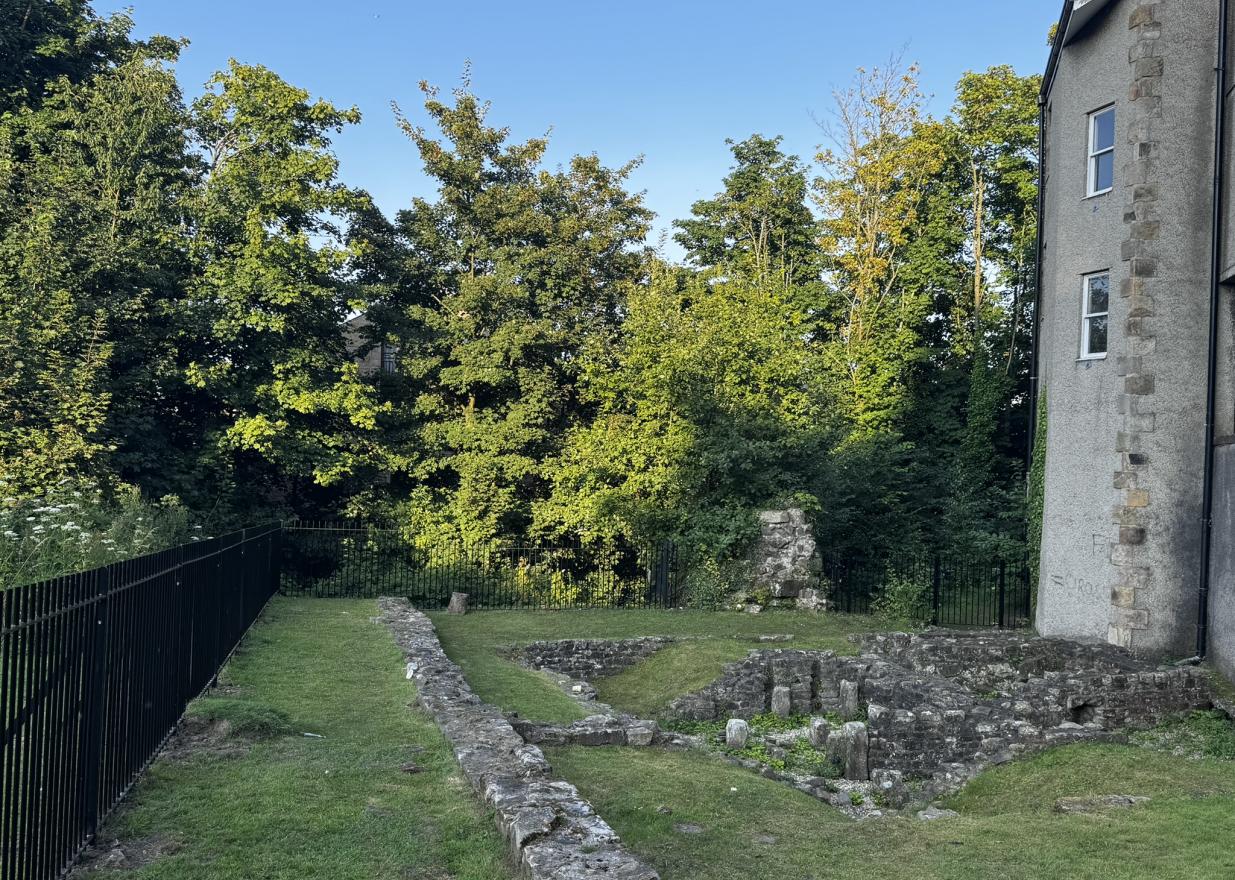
{"x": 1080, "y": 236}
{"x": 1125, "y": 446}
{"x": 1222, "y": 564}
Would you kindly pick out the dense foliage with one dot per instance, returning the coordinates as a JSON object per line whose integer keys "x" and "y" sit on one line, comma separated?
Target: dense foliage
{"x": 179, "y": 286}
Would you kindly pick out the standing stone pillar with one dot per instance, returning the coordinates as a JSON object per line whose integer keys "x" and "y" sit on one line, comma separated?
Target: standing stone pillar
{"x": 458, "y": 604}
{"x": 785, "y": 560}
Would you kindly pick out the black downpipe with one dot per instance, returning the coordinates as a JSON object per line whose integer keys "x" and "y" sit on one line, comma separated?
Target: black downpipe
{"x": 1215, "y": 290}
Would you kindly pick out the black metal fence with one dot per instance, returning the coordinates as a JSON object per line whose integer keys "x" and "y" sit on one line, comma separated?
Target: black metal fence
{"x": 329, "y": 559}
{"x": 947, "y": 590}
{"x": 96, "y": 669}
{"x": 333, "y": 559}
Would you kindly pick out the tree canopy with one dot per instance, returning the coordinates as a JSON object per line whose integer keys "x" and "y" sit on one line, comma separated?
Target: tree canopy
{"x": 181, "y": 285}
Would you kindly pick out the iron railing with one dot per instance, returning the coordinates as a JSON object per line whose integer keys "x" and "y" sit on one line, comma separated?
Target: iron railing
{"x": 951, "y": 590}
{"x": 96, "y": 669}
{"x": 340, "y": 559}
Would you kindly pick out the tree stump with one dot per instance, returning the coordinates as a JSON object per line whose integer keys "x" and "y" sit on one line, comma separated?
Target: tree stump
{"x": 458, "y": 604}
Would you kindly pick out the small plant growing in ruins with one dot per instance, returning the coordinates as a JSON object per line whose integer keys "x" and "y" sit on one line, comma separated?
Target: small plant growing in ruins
{"x": 757, "y": 751}
{"x": 856, "y": 798}
{"x": 805, "y": 757}
{"x": 711, "y": 730}
{"x": 762, "y": 596}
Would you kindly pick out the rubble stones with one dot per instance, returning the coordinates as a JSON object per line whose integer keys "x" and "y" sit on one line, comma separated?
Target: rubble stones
{"x": 890, "y": 788}
{"x": 848, "y": 748}
{"x": 1095, "y": 804}
{"x": 819, "y": 731}
{"x": 553, "y": 832}
{"x": 811, "y": 599}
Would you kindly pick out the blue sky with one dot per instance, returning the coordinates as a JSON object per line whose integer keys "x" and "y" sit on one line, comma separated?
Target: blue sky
{"x": 665, "y": 80}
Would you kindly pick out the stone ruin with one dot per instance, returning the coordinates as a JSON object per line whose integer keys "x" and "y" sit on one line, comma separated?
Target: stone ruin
{"x": 911, "y": 718}
{"x": 940, "y": 706}
{"x": 785, "y": 560}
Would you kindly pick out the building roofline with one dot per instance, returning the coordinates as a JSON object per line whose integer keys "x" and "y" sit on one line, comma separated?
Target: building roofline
{"x": 1075, "y": 16}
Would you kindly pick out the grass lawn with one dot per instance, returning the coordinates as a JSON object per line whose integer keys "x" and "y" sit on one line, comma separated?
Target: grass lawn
{"x": 294, "y": 807}
{"x": 1007, "y": 829}
{"x": 714, "y": 638}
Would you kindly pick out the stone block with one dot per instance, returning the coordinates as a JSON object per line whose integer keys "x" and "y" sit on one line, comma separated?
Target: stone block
{"x": 818, "y": 732}
{"x": 850, "y": 701}
{"x": 782, "y": 704}
{"x": 737, "y": 732}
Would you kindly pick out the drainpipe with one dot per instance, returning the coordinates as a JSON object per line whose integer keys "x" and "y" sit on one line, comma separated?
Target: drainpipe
{"x": 1215, "y": 290}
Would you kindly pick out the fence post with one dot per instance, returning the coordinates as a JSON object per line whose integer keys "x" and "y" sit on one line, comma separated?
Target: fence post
{"x": 662, "y": 573}
{"x": 1003, "y": 583}
{"x": 92, "y": 739}
{"x": 936, "y": 576}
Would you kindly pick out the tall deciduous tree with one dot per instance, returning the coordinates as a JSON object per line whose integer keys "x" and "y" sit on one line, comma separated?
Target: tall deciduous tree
{"x": 42, "y": 41}
{"x": 759, "y": 225}
{"x": 712, "y": 406}
{"x": 502, "y": 282}
{"x": 875, "y": 178}
{"x": 92, "y": 264}
{"x": 269, "y": 300}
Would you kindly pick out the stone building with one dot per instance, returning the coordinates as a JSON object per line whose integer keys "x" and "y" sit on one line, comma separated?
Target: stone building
{"x": 371, "y": 356}
{"x": 1133, "y": 354}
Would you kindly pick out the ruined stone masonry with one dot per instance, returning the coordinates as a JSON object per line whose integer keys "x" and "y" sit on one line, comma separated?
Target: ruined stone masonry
{"x": 588, "y": 659}
{"x": 553, "y": 832}
{"x": 785, "y": 560}
{"x": 1009, "y": 695}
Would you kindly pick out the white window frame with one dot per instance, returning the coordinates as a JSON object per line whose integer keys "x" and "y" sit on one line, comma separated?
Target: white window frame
{"x": 1087, "y": 316}
{"x": 1092, "y": 172}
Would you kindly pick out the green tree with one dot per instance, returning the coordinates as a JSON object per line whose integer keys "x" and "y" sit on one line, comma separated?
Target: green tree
{"x": 759, "y": 225}
{"x": 711, "y": 406}
{"x": 42, "y": 41}
{"x": 92, "y": 264}
{"x": 874, "y": 181}
{"x": 994, "y": 122}
{"x": 269, "y": 299}
{"x": 499, "y": 285}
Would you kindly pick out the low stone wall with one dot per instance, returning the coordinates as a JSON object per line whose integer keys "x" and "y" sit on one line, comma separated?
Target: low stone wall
{"x": 926, "y": 725}
{"x": 597, "y": 730}
{"x": 553, "y": 832}
{"x": 988, "y": 661}
{"x": 589, "y": 659}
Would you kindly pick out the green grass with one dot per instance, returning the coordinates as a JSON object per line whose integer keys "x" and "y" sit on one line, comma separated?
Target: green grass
{"x": 1007, "y": 829}
{"x": 716, "y": 638}
{"x": 295, "y": 808}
